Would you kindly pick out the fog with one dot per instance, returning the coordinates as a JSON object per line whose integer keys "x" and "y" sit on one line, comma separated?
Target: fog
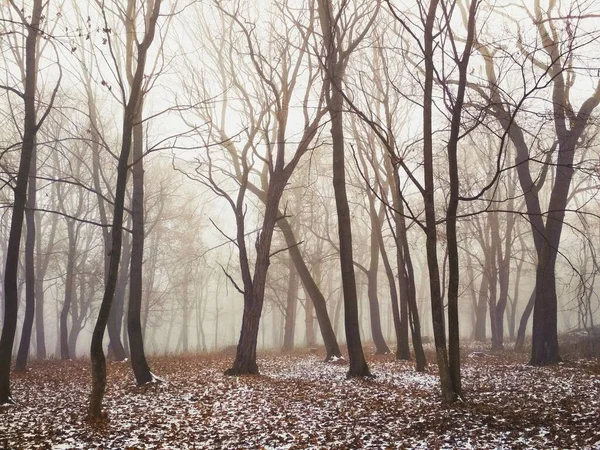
{"x": 234, "y": 117}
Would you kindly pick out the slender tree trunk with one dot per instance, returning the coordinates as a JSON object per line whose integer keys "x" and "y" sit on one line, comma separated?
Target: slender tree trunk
{"x": 437, "y": 306}
{"x": 139, "y": 364}
{"x": 381, "y": 347}
{"x": 69, "y": 287}
{"x": 40, "y": 334}
{"x": 23, "y": 353}
{"x": 290, "y": 307}
{"x": 335, "y": 64}
{"x": 453, "y": 200}
{"x": 393, "y": 298}
{"x": 358, "y": 364}
{"x": 515, "y": 302}
{"x": 42, "y": 262}
{"x": 407, "y": 275}
{"x": 11, "y": 300}
{"x": 481, "y": 308}
{"x": 115, "y": 320}
{"x": 310, "y": 338}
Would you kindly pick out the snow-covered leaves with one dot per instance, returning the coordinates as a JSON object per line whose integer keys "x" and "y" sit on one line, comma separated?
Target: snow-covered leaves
{"x": 300, "y": 402}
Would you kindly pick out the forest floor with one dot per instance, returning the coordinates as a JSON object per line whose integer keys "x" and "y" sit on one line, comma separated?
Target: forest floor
{"x": 299, "y": 402}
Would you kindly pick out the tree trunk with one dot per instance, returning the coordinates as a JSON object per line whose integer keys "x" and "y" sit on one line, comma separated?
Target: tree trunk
{"x": 312, "y": 289}
{"x": 358, "y": 364}
{"x": 69, "y": 287}
{"x": 393, "y": 299}
{"x": 381, "y": 347}
{"x": 254, "y": 286}
{"x": 309, "y": 329}
{"x": 42, "y": 262}
{"x": 23, "y": 353}
{"x": 407, "y": 275}
{"x": 115, "y": 321}
{"x": 290, "y": 308}
{"x": 437, "y": 305}
{"x": 481, "y": 308}
{"x": 139, "y": 364}
{"x": 11, "y": 300}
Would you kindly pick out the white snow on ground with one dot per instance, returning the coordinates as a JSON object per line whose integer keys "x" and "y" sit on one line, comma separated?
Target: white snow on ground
{"x": 303, "y": 403}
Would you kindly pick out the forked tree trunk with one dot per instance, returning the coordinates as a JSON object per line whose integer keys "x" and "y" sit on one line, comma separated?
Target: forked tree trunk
{"x": 96, "y": 352}
{"x": 254, "y": 285}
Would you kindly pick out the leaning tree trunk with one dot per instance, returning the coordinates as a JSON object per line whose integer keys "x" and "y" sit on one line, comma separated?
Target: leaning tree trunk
{"x": 30, "y": 282}
{"x": 407, "y": 275}
{"x": 393, "y": 297}
{"x": 520, "y": 341}
{"x": 312, "y": 289}
{"x": 11, "y": 299}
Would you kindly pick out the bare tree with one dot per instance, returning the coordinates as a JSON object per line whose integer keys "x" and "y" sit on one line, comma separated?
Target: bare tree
{"x": 337, "y": 54}
{"x": 31, "y": 125}
{"x": 131, "y": 105}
